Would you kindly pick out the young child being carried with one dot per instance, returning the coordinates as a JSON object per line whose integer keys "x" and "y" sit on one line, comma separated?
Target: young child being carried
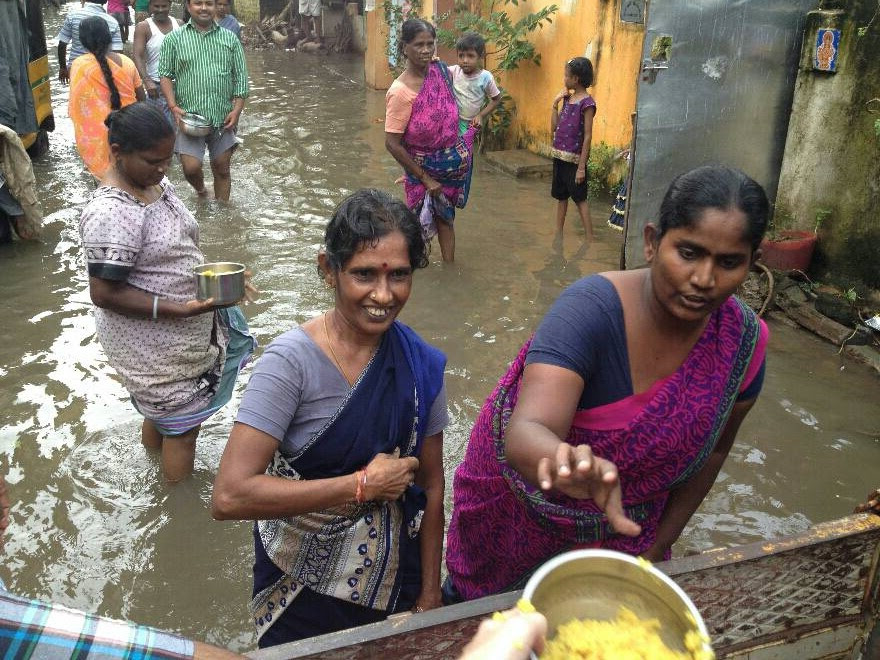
{"x": 572, "y": 129}
{"x": 473, "y": 84}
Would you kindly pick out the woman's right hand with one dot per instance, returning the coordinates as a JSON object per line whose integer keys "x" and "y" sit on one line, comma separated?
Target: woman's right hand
{"x": 196, "y": 307}
{"x": 388, "y": 476}
{"x": 576, "y": 472}
{"x": 431, "y": 186}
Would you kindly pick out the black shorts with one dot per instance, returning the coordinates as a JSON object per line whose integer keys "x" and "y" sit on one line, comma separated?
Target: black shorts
{"x": 563, "y": 185}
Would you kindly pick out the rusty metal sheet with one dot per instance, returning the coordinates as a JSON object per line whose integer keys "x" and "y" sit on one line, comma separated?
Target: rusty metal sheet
{"x": 808, "y": 595}
{"x": 822, "y": 581}
{"x": 826, "y": 644}
{"x": 435, "y": 635}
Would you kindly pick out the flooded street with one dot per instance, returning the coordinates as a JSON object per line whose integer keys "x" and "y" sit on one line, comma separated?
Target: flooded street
{"x": 93, "y": 526}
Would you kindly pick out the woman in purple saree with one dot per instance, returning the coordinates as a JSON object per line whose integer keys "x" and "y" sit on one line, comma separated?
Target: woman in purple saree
{"x": 610, "y": 427}
{"x": 421, "y": 132}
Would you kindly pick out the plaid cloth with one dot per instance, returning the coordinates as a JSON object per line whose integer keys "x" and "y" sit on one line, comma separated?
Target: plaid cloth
{"x": 33, "y": 629}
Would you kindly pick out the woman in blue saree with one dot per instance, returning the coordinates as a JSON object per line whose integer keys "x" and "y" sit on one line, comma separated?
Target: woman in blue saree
{"x": 337, "y": 447}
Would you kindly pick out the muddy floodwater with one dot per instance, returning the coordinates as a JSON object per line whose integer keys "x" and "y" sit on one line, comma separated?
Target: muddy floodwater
{"x": 94, "y": 527}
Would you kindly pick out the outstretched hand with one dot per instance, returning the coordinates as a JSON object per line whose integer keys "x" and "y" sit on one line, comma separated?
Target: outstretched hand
{"x": 576, "y": 472}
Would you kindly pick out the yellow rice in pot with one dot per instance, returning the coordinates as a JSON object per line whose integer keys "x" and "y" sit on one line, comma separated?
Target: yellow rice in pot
{"x": 626, "y": 637}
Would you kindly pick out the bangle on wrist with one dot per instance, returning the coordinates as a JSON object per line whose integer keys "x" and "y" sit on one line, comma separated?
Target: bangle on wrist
{"x": 155, "y": 307}
{"x": 360, "y": 492}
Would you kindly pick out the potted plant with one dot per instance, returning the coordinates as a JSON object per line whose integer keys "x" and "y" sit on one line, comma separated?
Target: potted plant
{"x": 791, "y": 249}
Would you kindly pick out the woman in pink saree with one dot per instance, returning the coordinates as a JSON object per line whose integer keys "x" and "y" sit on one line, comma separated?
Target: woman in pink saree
{"x": 421, "y": 132}
{"x": 610, "y": 427}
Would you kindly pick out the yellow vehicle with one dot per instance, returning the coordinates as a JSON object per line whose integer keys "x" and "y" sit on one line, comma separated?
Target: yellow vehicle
{"x": 25, "y": 99}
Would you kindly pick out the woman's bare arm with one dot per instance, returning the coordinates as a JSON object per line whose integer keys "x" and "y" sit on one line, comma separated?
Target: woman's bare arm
{"x": 535, "y": 444}
{"x": 430, "y": 477}
{"x": 120, "y": 297}
{"x": 242, "y": 490}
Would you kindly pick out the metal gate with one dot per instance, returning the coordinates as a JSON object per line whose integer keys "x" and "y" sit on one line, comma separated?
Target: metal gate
{"x": 716, "y": 87}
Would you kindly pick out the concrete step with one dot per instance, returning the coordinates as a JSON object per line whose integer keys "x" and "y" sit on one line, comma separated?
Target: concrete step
{"x": 520, "y": 163}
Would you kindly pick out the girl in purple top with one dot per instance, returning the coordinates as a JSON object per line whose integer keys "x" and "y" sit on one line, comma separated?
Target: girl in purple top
{"x": 572, "y": 129}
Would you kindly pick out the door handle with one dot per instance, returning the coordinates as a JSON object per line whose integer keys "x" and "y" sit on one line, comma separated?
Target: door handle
{"x": 651, "y": 67}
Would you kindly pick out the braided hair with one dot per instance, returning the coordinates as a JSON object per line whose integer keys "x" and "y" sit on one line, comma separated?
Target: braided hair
{"x": 94, "y": 35}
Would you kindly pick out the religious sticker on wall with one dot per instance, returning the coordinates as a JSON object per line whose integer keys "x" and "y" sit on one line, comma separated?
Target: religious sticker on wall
{"x": 827, "y": 48}
{"x": 632, "y": 11}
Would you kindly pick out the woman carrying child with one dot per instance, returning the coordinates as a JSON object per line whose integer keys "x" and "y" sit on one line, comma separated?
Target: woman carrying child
{"x": 178, "y": 357}
{"x": 100, "y": 81}
{"x": 572, "y": 129}
{"x": 421, "y": 132}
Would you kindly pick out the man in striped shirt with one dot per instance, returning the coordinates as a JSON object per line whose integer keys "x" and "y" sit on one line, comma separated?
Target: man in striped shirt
{"x": 202, "y": 70}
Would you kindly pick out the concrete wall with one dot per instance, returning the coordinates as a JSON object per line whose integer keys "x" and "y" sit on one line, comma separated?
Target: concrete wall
{"x": 831, "y": 153}
{"x": 590, "y": 28}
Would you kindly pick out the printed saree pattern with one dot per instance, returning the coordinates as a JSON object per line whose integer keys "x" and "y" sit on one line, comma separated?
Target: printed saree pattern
{"x": 363, "y": 553}
{"x": 432, "y": 139}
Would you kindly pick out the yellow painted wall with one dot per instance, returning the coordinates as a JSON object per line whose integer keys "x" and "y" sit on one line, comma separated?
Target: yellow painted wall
{"x": 377, "y": 73}
{"x": 581, "y": 28}
{"x": 589, "y": 28}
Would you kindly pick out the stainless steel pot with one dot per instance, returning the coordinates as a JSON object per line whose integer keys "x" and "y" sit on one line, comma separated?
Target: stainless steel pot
{"x": 223, "y": 281}
{"x": 593, "y": 584}
{"x": 195, "y": 125}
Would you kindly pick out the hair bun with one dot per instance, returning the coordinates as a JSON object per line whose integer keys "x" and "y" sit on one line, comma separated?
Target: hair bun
{"x": 108, "y": 121}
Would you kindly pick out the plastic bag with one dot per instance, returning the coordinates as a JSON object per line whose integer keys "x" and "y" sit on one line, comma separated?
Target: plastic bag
{"x": 426, "y": 219}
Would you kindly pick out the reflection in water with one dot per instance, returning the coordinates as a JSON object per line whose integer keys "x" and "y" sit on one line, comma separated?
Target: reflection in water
{"x": 93, "y": 527}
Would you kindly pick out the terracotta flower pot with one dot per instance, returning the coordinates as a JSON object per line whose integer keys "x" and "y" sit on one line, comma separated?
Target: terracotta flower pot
{"x": 788, "y": 250}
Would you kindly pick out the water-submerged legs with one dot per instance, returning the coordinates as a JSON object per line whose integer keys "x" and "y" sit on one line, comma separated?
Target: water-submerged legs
{"x": 178, "y": 451}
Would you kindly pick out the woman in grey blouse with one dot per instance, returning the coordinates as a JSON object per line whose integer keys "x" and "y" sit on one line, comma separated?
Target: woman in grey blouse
{"x": 337, "y": 448}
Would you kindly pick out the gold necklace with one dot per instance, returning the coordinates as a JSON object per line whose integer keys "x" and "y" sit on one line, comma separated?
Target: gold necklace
{"x": 333, "y": 353}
